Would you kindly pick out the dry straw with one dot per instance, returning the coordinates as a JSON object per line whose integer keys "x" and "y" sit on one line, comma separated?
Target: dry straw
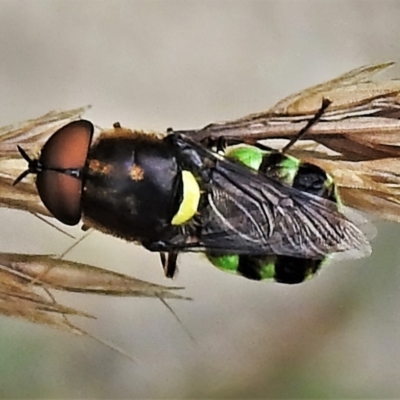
{"x": 357, "y": 141}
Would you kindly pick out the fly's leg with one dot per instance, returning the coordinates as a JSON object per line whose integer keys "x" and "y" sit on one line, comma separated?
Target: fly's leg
{"x": 169, "y": 263}
{"x": 325, "y": 104}
{"x": 220, "y": 143}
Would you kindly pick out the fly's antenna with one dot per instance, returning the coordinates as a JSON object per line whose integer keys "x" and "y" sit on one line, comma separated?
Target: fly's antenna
{"x": 33, "y": 166}
{"x": 325, "y": 104}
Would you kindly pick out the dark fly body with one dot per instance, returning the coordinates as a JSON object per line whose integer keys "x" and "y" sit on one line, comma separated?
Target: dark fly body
{"x": 174, "y": 194}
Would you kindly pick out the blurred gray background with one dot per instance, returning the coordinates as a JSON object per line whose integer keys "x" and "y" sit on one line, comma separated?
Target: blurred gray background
{"x": 156, "y": 64}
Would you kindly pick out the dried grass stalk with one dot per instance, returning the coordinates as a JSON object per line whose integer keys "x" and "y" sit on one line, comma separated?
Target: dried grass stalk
{"x": 357, "y": 141}
{"x": 358, "y": 135}
{"x": 25, "y": 281}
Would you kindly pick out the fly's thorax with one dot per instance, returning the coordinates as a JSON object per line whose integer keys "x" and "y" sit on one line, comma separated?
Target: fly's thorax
{"x": 133, "y": 186}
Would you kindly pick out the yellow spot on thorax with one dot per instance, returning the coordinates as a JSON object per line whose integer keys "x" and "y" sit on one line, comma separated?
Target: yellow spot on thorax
{"x": 99, "y": 167}
{"x": 136, "y": 173}
{"x": 190, "y": 200}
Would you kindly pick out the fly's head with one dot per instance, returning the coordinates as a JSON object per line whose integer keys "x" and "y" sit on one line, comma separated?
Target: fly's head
{"x": 59, "y": 170}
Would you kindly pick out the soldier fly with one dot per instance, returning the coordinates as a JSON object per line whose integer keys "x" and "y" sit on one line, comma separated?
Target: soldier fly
{"x": 174, "y": 194}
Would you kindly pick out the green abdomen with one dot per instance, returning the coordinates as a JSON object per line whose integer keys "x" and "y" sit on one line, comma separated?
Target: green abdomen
{"x": 293, "y": 172}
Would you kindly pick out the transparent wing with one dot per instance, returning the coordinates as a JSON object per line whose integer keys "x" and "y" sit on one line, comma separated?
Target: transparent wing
{"x": 365, "y": 224}
{"x": 251, "y": 214}
{"x": 248, "y": 213}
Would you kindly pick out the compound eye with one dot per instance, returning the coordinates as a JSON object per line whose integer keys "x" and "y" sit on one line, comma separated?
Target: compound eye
{"x": 61, "y": 194}
{"x": 66, "y": 149}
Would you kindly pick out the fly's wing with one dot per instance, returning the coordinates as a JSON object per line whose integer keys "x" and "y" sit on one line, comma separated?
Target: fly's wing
{"x": 361, "y": 126}
{"x": 249, "y": 213}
